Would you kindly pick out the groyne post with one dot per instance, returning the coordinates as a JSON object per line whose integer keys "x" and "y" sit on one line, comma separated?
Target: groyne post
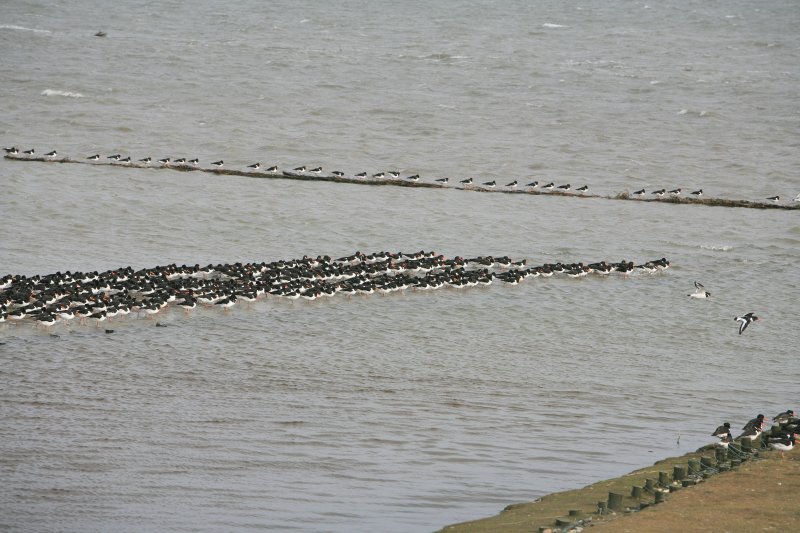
{"x": 615, "y": 501}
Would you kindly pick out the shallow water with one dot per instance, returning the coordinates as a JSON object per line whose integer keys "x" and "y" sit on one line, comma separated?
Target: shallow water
{"x": 402, "y": 412}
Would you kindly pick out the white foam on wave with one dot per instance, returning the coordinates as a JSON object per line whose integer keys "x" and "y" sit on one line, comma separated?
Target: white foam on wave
{"x": 21, "y": 28}
{"x": 551, "y": 25}
{"x": 722, "y": 248}
{"x": 53, "y": 92}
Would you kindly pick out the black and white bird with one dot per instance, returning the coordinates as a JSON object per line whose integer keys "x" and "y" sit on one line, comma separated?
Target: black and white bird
{"x": 145, "y": 160}
{"x": 254, "y": 166}
{"x": 164, "y": 161}
{"x": 489, "y": 183}
{"x": 723, "y": 433}
{"x": 361, "y": 175}
{"x": 660, "y": 192}
{"x": 754, "y": 423}
{"x": 533, "y": 184}
{"x": 338, "y": 173}
{"x": 218, "y": 163}
{"x": 394, "y": 173}
{"x": 583, "y": 189}
{"x": 745, "y": 320}
{"x": 549, "y": 186}
{"x": 415, "y": 177}
{"x": 300, "y": 168}
{"x": 784, "y": 417}
{"x": 783, "y": 443}
{"x": 13, "y": 150}
{"x": 51, "y": 154}
{"x": 700, "y": 291}
{"x": 317, "y": 170}
{"x": 512, "y": 184}
{"x": 698, "y": 192}
{"x": 94, "y": 157}
{"x": 467, "y": 181}
{"x": 675, "y": 192}
{"x": 774, "y": 198}
{"x": 442, "y": 180}
{"x": 564, "y": 187}
{"x": 750, "y": 433}
{"x": 379, "y": 175}
{"x": 194, "y": 161}
{"x": 639, "y": 192}
{"x": 115, "y": 157}
{"x": 29, "y": 152}
{"x": 273, "y": 168}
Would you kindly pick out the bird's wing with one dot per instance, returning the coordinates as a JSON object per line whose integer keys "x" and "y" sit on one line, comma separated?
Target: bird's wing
{"x": 699, "y": 286}
{"x": 742, "y": 324}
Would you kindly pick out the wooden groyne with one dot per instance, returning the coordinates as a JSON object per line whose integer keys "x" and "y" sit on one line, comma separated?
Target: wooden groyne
{"x": 403, "y": 182}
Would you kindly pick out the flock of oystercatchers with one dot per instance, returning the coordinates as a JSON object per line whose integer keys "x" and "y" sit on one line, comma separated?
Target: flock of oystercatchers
{"x": 784, "y": 440}
{"x": 393, "y": 175}
{"x": 99, "y": 296}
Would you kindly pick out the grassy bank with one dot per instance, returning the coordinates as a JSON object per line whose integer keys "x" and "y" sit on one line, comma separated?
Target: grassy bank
{"x": 758, "y": 496}
{"x": 762, "y": 492}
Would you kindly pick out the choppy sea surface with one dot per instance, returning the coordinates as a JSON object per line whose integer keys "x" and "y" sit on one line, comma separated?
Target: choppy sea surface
{"x": 408, "y": 411}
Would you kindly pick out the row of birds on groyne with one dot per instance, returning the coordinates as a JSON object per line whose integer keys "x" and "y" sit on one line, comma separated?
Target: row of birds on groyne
{"x": 389, "y": 176}
{"x": 782, "y": 440}
{"x": 98, "y": 296}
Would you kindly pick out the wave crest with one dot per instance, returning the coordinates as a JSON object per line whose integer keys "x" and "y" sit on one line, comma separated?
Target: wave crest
{"x": 21, "y": 28}
{"x": 53, "y": 92}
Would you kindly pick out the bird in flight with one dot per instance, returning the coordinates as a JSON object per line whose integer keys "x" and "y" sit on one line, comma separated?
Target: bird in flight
{"x": 745, "y": 320}
{"x": 700, "y": 291}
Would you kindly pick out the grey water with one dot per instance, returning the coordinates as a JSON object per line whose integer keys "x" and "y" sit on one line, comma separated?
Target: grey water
{"x": 400, "y": 412}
